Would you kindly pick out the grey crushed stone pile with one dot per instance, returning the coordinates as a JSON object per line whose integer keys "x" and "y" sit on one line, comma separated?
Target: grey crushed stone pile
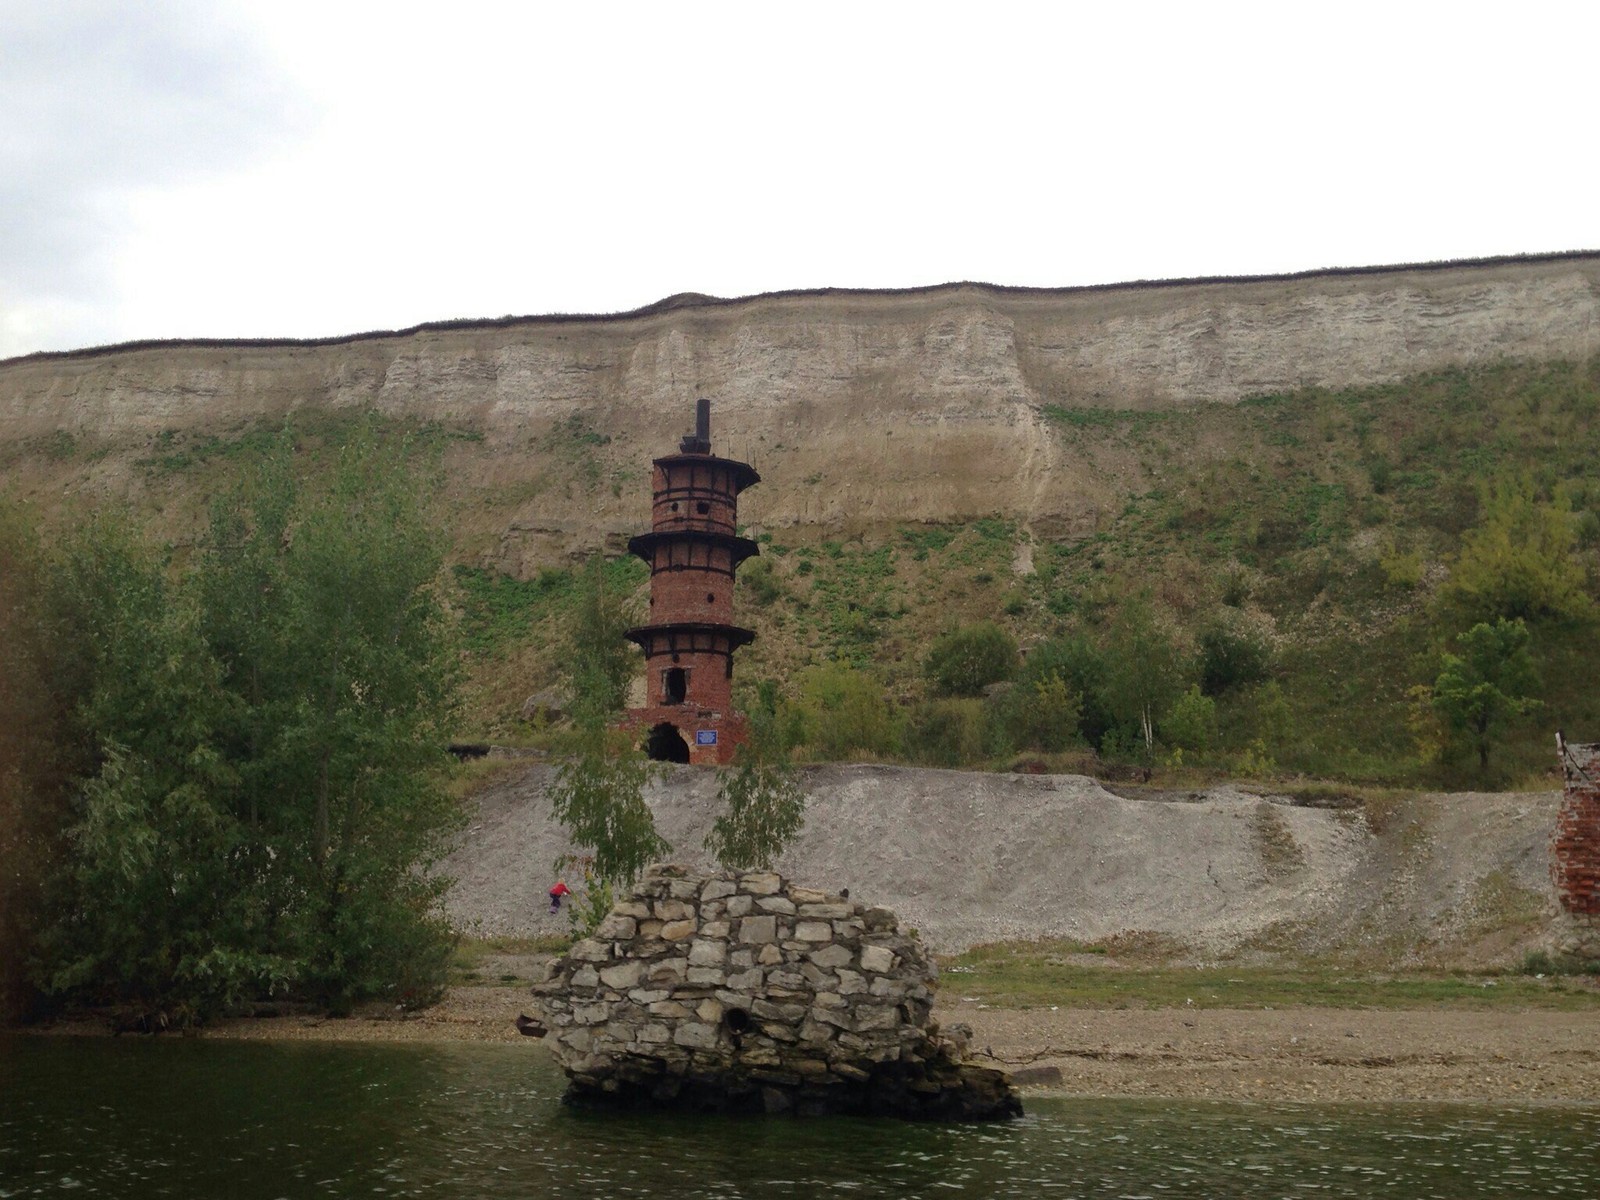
{"x": 969, "y": 857}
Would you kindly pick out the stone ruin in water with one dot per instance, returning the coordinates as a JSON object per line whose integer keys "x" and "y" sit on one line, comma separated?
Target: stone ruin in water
{"x": 738, "y": 992}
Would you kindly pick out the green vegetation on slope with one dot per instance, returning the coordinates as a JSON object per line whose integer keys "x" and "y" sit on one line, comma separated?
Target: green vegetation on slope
{"x": 1306, "y": 555}
{"x": 498, "y": 610}
{"x": 1303, "y": 562}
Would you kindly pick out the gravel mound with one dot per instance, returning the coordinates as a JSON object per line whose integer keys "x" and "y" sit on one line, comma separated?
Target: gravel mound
{"x": 968, "y": 858}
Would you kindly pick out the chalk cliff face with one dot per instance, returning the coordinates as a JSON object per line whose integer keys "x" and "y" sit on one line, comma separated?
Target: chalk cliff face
{"x": 858, "y": 408}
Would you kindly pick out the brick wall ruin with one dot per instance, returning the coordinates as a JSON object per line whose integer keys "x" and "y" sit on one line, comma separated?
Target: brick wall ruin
{"x": 739, "y": 992}
{"x": 1575, "y": 847}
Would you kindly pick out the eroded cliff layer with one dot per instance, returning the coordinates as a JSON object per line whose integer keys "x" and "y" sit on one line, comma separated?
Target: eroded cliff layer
{"x": 859, "y": 408}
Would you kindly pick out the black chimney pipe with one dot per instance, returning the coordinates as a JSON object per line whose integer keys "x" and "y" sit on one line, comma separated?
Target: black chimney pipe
{"x": 699, "y": 442}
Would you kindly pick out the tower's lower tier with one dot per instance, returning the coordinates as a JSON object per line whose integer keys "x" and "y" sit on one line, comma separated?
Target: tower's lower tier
{"x": 687, "y": 733}
{"x": 688, "y": 713}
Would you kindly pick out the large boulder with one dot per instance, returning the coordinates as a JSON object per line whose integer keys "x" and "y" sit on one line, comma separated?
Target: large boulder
{"x": 739, "y": 992}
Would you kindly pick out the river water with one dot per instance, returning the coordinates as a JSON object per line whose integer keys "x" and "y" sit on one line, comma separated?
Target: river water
{"x": 135, "y": 1118}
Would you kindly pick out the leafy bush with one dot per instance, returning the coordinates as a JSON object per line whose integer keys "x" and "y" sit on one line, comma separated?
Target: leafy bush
{"x": 1402, "y": 569}
{"x": 844, "y": 713}
{"x": 757, "y": 580}
{"x": 1040, "y": 713}
{"x": 1081, "y": 667}
{"x": 1542, "y": 962}
{"x": 965, "y": 661}
{"x": 1192, "y": 723}
{"x": 1231, "y": 655}
{"x": 1518, "y": 562}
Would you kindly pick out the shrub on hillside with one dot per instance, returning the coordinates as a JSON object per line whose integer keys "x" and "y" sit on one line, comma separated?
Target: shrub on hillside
{"x": 844, "y": 713}
{"x": 1192, "y": 723}
{"x": 1039, "y": 713}
{"x": 946, "y": 733}
{"x": 965, "y": 661}
{"x": 1519, "y": 562}
{"x": 1231, "y": 655}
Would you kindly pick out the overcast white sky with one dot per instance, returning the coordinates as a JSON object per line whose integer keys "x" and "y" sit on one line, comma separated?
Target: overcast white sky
{"x": 257, "y": 168}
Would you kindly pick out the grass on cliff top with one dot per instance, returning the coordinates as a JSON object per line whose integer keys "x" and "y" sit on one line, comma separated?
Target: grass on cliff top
{"x": 1045, "y": 974}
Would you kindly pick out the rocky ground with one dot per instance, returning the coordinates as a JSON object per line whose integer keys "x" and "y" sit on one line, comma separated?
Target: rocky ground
{"x": 970, "y": 857}
{"x": 1298, "y": 1053}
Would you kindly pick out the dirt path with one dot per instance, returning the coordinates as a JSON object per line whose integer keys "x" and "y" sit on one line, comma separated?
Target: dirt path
{"x": 1277, "y": 1054}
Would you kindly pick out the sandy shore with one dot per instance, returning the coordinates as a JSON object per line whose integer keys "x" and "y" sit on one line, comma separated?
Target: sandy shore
{"x": 1274, "y": 1054}
{"x": 1298, "y": 1053}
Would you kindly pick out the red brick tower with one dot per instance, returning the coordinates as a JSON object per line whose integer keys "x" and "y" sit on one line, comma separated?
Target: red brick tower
{"x": 688, "y": 645}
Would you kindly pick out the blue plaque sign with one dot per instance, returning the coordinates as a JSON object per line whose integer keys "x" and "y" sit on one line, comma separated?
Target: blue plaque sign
{"x": 705, "y": 737}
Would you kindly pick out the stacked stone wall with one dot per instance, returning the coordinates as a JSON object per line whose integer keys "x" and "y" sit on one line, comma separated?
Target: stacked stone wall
{"x": 740, "y": 992}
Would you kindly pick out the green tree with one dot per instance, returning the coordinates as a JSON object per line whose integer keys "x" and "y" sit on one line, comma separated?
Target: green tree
{"x": 965, "y": 661}
{"x": 1519, "y": 562}
{"x": 1191, "y": 723}
{"x": 267, "y": 798}
{"x": 762, "y": 808}
{"x": 1040, "y": 713}
{"x": 1144, "y": 672}
{"x": 362, "y": 683}
{"x": 1081, "y": 666}
{"x": 601, "y": 661}
{"x": 1486, "y": 685}
{"x": 598, "y": 795}
{"x": 1274, "y": 724}
{"x": 598, "y": 791}
{"x": 145, "y": 906}
{"x": 36, "y": 749}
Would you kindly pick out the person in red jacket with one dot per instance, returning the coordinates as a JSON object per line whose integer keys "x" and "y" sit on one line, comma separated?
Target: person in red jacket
{"x": 560, "y": 890}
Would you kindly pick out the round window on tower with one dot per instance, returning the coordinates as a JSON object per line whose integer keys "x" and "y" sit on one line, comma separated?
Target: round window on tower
{"x": 711, "y": 598}
{"x": 703, "y": 507}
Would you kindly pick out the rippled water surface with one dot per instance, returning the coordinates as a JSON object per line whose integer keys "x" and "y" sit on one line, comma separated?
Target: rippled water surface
{"x": 139, "y": 1118}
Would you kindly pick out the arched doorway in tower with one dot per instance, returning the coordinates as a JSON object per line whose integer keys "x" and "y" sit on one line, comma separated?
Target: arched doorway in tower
{"x": 666, "y": 744}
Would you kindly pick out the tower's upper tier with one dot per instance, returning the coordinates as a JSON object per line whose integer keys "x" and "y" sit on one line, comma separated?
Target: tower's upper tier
{"x": 698, "y": 491}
